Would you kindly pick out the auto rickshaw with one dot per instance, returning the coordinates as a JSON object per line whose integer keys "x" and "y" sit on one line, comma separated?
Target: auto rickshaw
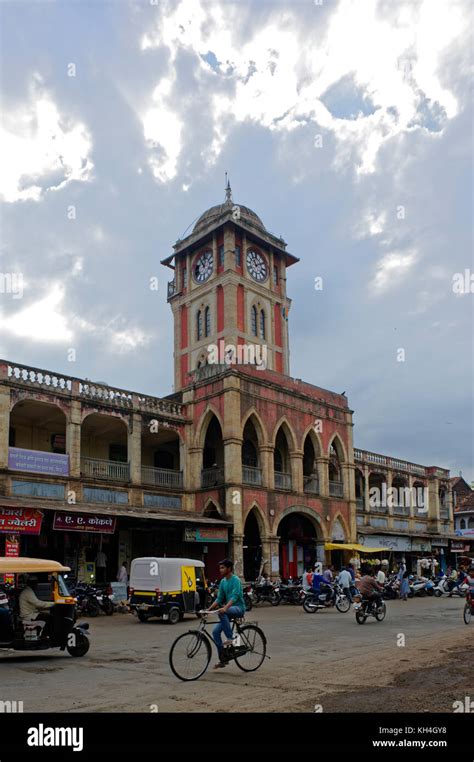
{"x": 167, "y": 588}
{"x": 61, "y": 630}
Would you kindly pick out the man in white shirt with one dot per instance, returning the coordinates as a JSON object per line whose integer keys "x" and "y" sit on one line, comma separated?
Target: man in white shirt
{"x": 380, "y": 576}
{"x": 344, "y": 578}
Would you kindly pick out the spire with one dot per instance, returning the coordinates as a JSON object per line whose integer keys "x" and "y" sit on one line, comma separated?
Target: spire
{"x": 228, "y": 191}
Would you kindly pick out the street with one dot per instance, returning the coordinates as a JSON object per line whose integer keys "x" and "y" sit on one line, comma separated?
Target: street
{"x": 319, "y": 662}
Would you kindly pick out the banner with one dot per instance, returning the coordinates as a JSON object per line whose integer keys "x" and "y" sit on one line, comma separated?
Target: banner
{"x": 20, "y": 520}
{"x": 38, "y": 462}
{"x": 77, "y": 522}
{"x": 205, "y": 534}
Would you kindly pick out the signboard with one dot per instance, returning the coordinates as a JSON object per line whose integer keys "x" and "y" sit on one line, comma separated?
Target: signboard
{"x": 421, "y": 545}
{"x": 459, "y": 547}
{"x": 206, "y": 534}
{"x": 20, "y": 520}
{"x": 119, "y": 590}
{"x": 77, "y": 522}
{"x": 38, "y": 462}
{"x": 394, "y": 542}
{"x": 12, "y": 547}
{"x": 465, "y": 532}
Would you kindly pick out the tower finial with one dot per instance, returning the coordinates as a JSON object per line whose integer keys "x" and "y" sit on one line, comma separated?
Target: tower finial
{"x": 228, "y": 190}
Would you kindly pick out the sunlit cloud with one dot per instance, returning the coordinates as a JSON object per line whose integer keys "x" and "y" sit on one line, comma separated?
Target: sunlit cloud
{"x": 41, "y": 149}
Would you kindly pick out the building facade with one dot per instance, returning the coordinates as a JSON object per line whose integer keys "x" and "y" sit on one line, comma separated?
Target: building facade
{"x": 241, "y": 460}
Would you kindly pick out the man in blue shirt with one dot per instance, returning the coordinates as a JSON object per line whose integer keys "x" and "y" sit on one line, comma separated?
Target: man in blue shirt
{"x": 230, "y": 600}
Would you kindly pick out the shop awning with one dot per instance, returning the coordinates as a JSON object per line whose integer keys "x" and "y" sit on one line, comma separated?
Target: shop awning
{"x": 358, "y": 548}
{"x": 131, "y": 512}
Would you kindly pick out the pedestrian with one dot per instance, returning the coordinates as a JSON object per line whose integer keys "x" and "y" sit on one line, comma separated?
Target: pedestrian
{"x": 307, "y": 578}
{"x": 404, "y": 586}
{"x": 345, "y": 580}
{"x": 380, "y": 575}
{"x": 122, "y": 575}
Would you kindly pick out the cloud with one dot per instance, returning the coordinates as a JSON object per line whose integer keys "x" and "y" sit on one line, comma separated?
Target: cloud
{"x": 41, "y": 149}
{"x": 41, "y": 321}
{"x": 391, "y": 270}
{"x": 288, "y": 70}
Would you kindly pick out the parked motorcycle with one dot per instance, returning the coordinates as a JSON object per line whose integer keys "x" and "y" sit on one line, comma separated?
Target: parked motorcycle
{"x": 105, "y": 599}
{"x": 447, "y": 585}
{"x": 290, "y": 593}
{"x": 268, "y": 593}
{"x": 365, "y": 607}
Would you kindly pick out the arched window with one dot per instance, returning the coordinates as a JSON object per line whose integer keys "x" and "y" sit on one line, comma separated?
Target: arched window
{"x": 262, "y": 324}
{"x": 462, "y": 524}
{"x": 207, "y": 321}
{"x": 199, "y": 325}
{"x": 254, "y": 320}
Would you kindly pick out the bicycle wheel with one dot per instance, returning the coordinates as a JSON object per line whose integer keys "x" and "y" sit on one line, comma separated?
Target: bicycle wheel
{"x": 190, "y": 656}
{"x": 467, "y": 613}
{"x": 254, "y": 641}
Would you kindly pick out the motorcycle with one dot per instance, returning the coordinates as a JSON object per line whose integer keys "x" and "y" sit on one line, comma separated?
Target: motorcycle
{"x": 290, "y": 593}
{"x": 365, "y": 607}
{"x": 248, "y": 597}
{"x": 265, "y": 593}
{"x": 105, "y": 598}
{"x": 314, "y": 601}
{"x": 391, "y": 589}
{"x": 86, "y": 600}
{"x": 417, "y": 586}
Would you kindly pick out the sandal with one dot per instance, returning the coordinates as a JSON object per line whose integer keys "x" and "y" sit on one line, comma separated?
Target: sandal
{"x": 220, "y": 665}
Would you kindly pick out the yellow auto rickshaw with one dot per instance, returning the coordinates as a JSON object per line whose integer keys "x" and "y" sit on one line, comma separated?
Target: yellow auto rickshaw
{"x": 167, "y": 588}
{"x": 57, "y": 628}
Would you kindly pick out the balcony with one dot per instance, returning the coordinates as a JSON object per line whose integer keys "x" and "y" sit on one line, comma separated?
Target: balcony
{"x": 401, "y": 510}
{"x": 282, "y": 480}
{"x": 109, "y": 470}
{"x": 162, "y": 477}
{"x": 211, "y": 477}
{"x": 360, "y": 503}
{"x": 378, "y": 507}
{"x": 252, "y": 475}
{"x": 172, "y": 289}
{"x": 336, "y": 489}
{"x": 311, "y": 484}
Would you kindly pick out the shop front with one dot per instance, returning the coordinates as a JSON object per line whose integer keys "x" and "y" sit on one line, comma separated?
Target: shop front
{"x": 413, "y": 550}
{"x": 95, "y": 541}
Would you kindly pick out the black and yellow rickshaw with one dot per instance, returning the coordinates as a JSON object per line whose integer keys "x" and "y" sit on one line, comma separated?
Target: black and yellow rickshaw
{"x": 167, "y": 588}
{"x": 59, "y": 629}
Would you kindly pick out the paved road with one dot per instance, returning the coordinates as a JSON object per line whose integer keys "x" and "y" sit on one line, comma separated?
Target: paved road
{"x": 322, "y": 659}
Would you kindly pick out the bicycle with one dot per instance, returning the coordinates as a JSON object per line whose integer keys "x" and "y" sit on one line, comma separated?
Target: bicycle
{"x": 191, "y": 652}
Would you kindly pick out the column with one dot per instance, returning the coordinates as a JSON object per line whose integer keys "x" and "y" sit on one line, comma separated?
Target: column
{"x": 266, "y": 464}
{"x": 4, "y": 425}
{"x": 323, "y": 476}
{"x": 296, "y": 468}
{"x": 135, "y": 448}
{"x": 73, "y": 439}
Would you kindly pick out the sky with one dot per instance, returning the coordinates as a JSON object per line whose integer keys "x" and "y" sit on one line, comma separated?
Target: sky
{"x": 346, "y": 125}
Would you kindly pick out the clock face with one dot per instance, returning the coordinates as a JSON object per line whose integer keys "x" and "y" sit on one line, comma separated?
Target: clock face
{"x": 257, "y": 266}
{"x": 203, "y": 266}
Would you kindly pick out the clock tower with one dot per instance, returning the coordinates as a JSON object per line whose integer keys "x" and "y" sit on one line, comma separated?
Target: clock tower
{"x": 228, "y": 293}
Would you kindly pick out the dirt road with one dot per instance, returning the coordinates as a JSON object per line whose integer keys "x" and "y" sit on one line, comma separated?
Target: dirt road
{"x": 325, "y": 659}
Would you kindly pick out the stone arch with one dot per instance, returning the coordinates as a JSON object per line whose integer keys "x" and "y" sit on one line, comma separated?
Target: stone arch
{"x": 315, "y": 439}
{"x": 314, "y": 517}
{"x": 212, "y": 506}
{"x": 203, "y": 423}
{"x": 262, "y": 519}
{"x": 284, "y": 424}
{"x": 338, "y": 517}
{"x": 258, "y": 424}
{"x": 338, "y": 445}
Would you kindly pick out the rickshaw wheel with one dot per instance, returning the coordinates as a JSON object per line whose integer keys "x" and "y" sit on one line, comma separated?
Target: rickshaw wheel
{"x": 174, "y": 615}
{"x": 82, "y": 645}
{"x": 142, "y": 617}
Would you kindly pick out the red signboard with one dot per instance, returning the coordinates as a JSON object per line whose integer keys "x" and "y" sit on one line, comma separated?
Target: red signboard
{"x": 12, "y": 547}
{"x": 81, "y": 522}
{"x": 20, "y": 520}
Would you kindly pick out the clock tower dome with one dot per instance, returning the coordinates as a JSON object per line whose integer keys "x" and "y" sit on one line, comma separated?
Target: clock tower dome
{"x": 228, "y": 293}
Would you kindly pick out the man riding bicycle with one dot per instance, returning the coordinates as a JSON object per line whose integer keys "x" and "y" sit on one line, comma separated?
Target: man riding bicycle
{"x": 230, "y": 600}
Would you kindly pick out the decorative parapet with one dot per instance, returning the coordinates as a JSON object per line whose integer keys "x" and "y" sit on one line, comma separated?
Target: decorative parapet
{"x": 395, "y": 464}
{"x": 39, "y": 379}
